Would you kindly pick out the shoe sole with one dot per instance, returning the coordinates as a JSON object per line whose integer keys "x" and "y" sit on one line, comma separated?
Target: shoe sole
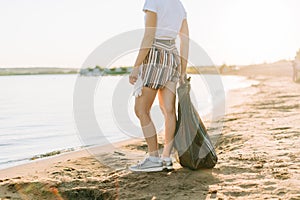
{"x": 168, "y": 168}
{"x": 153, "y": 169}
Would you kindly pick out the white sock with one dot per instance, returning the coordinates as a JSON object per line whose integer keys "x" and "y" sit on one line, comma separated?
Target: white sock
{"x": 154, "y": 159}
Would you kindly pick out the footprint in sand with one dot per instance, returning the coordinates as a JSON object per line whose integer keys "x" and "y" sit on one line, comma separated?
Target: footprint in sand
{"x": 249, "y": 185}
{"x": 280, "y": 128}
{"x": 280, "y": 173}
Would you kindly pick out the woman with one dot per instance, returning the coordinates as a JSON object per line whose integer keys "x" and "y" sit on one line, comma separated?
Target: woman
{"x": 157, "y": 69}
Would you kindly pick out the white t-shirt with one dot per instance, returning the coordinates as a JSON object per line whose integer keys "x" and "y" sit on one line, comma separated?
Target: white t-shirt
{"x": 170, "y": 14}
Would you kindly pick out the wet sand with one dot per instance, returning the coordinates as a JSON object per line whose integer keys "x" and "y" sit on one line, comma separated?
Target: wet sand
{"x": 258, "y": 150}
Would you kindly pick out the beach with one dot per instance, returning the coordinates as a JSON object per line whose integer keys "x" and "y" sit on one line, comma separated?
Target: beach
{"x": 258, "y": 151}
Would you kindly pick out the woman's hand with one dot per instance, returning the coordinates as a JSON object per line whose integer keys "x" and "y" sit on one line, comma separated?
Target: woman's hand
{"x": 134, "y": 75}
{"x": 182, "y": 79}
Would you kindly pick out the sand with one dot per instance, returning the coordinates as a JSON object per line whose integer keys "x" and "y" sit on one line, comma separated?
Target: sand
{"x": 258, "y": 152}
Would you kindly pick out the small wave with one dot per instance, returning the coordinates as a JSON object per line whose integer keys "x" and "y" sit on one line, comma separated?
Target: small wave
{"x": 13, "y": 161}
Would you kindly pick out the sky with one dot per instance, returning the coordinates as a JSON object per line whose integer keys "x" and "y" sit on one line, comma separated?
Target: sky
{"x": 63, "y": 33}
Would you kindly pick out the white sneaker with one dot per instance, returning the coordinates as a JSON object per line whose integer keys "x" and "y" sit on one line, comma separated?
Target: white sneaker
{"x": 168, "y": 164}
{"x": 149, "y": 164}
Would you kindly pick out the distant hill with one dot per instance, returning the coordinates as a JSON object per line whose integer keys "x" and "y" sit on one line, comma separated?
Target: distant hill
{"x": 279, "y": 68}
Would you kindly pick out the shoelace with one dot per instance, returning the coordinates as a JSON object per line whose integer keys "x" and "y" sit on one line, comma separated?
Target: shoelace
{"x": 142, "y": 162}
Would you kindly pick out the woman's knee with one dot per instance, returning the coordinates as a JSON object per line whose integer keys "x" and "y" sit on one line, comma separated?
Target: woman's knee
{"x": 141, "y": 112}
{"x": 168, "y": 111}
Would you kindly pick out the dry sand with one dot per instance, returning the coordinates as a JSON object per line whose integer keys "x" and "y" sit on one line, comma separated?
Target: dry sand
{"x": 258, "y": 153}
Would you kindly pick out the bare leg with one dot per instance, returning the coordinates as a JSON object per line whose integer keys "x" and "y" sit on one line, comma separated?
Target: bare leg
{"x": 142, "y": 110}
{"x": 167, "y": 97}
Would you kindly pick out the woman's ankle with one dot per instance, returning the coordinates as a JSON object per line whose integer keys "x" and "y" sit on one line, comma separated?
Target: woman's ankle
{"x": 154, "y": 154}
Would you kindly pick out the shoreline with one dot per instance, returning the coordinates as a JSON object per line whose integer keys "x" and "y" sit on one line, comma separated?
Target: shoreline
{"x": 62, "y": 152}
{"x": 37, "y": 166}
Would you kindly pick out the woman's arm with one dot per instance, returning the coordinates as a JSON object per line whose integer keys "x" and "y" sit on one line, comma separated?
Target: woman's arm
{"x": 184, "y": 48}
{"x": 150, "y": 29}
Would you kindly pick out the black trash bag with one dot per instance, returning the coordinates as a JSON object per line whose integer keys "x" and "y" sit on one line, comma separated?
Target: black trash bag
{"x": 194, "y": 147}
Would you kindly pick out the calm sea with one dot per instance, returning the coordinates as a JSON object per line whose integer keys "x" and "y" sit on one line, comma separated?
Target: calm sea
{"x": 37, "y": 115}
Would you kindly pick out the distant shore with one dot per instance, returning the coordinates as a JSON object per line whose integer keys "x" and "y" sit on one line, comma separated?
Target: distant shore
{"x": 100, "y": 71}
{"x": 37, "y": 71}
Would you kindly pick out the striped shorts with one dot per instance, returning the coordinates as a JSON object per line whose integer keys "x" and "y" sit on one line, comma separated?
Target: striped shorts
{"x": 162, "y": 64}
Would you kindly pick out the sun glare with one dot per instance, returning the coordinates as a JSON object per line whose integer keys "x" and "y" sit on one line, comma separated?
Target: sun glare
{"x": 257, "y": 30}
